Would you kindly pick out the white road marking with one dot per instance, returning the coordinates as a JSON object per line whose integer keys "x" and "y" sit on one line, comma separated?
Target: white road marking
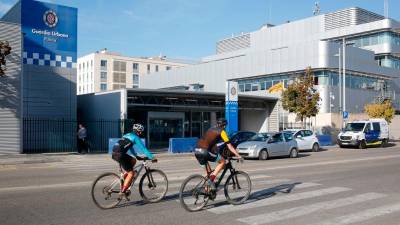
{"x": 308, "y": 209}
{"x": 334, "y": 162}
{"x": 277, "y": 200}
{"x": 221, "y": 196}
{"x": 46, "y": 186}
{"x": 363, "y": 215}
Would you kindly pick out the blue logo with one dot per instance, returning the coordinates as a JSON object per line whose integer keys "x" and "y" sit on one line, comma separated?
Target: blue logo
{"x": 50, "y": 18}
{"x": 345, "y": 115}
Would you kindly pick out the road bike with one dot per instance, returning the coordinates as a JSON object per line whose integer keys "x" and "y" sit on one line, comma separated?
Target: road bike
{"x": 195, "y": 191}
{"x": 106, "y": 189}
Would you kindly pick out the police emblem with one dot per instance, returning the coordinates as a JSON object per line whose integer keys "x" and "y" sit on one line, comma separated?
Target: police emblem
{"x": 50, "y": 18}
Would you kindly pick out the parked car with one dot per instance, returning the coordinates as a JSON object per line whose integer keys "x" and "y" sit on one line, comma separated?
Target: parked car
{"x": 275, "y": 144}
{"x": 237, "y": 138}
{"x": 306, "y": 139}
{"x": 363, "y": 133}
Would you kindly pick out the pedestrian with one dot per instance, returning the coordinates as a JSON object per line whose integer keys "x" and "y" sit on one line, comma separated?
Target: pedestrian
{"x": 82, "y": 139}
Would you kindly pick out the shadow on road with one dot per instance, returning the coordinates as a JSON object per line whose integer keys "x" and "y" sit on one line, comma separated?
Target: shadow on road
{"x": 261, "y": 194}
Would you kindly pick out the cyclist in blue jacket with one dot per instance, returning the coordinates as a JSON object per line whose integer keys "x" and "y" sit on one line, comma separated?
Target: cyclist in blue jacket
{"x": 126, "y": 161}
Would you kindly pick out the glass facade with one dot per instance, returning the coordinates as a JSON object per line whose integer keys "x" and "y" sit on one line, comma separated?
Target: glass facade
{"x": 388, "y": 61}
{"x": 375, "y": 39}
{"x": 324, "y": 77}
{"x": 263, "y": 83}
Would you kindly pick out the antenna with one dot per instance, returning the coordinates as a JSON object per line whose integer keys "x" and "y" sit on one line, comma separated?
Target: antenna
{"x": 317, "y": 9}
{"x": 386, "y": 8}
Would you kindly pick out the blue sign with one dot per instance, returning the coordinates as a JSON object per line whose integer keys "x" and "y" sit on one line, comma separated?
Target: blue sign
{"x": 231, "y": 115}
{"x": 345, "y": 115}
{"x": 50, "y": 34}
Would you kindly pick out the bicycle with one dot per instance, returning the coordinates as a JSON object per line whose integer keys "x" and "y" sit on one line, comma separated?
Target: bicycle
{"x": 201, "y": 193}
{"x": 153, "y": 186}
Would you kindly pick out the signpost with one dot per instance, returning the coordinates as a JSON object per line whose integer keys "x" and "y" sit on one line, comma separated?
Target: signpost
{"x": 231, "y": 106}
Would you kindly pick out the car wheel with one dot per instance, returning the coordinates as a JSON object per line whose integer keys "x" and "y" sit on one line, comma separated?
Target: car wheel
{"x": 362, "y": 144}
{"x": 315, "y": 147}
{"x": 294, "y": 153}
{"x": 263, "y": 155}
{"x": 384, "y": 143}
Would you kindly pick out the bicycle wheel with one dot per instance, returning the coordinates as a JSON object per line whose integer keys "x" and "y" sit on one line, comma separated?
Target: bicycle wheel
{"x": 105, "y": 190}
{"x": 237, "y": 188}
{"x": 192, "y": 194}
{"x": 153, "y": 186}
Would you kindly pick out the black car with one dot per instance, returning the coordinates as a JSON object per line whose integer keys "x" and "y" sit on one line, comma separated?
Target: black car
{"x": 236, "y": 139}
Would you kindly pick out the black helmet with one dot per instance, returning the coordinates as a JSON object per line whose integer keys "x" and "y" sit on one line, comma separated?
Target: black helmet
{"x": 222, "y": 122}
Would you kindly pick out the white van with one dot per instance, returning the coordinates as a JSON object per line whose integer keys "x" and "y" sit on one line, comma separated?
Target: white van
{"x": 364, "y": 133}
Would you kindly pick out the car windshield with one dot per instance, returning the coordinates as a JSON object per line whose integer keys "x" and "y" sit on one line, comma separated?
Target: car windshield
{"x": 259, "y": 137}
{"x": 354, "y": 127}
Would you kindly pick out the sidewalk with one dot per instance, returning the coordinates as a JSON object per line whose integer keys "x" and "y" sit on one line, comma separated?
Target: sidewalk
{"x": 13, "y": 159}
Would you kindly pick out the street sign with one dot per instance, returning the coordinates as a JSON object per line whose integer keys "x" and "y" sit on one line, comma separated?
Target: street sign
{"x": 345, "y": 115}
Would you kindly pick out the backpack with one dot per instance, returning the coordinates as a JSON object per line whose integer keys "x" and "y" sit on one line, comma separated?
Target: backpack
{"x": 120, "y": 148}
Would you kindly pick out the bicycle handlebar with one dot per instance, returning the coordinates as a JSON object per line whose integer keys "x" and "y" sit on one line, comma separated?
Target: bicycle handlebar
{"x": 146, "y": 158}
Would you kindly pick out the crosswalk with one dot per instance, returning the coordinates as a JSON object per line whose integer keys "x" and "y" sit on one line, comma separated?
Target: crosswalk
{"x": 307, "y": 200}
{"x": 281, "y": 201}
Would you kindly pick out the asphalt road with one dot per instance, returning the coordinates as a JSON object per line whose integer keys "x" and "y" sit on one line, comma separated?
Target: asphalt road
{"x": 336, "y": 186}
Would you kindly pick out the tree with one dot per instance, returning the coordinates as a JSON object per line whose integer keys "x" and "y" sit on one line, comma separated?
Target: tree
{"x": 301, "y": 97}
{"x": 5, "y": 50}
{"x": 380, "y": 110}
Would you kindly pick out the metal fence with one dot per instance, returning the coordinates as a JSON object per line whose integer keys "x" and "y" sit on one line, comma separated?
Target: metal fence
{"x": 298, "y": 125}
{"x": 59, "y": 135}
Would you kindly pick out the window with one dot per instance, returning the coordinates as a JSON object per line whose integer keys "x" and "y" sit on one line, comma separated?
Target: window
{"x": 308, "y": 133}
{"x": 135, "y": 79}
{"x": 168, "y": 68}
{"x": 247, "y": 87}
{"x": 135, "y": 67}
{"x": 277, "y": 138}
{"x": 103, "y": 64}
{"x": 148, "y": 68}
{"x": 376, "y": 126}
{"x": 119, "y": 66}
{"x": 156, "y": 68}
{"x": 288, "y": 136}
{"x": 103, "y": 75}
{"x": 367, "y": 128}
{"x": 254, "y": 87}
{"x": 91, "y": 63}
{"x": 119, "y": 77}
{"x": 103, "y": 87}
{"x": 241, "y": 87}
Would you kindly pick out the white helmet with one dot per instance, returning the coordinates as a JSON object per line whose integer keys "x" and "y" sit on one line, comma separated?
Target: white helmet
{"x": 138, "y": 127}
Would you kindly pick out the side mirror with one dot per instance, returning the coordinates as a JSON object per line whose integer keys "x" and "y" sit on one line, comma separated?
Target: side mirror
{"x": 298, "y": 136}
{"x": 270, "y": 141}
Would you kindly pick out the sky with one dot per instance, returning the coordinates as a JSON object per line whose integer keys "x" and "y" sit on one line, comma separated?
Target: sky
{"x": 186, "y": 29}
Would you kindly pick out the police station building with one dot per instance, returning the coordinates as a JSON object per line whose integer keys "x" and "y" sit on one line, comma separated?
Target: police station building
{"x": 39, "y": 86}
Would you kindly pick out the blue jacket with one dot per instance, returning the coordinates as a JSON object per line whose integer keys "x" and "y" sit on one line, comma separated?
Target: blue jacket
{"x": 137, "y": 146}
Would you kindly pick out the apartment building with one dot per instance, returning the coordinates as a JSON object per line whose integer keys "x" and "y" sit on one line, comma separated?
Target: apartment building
{"x": 106, "y": 71}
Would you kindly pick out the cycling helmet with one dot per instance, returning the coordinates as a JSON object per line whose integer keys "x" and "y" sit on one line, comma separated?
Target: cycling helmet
{"x": 222, "y": 122}
{"x": 138, "y": 127}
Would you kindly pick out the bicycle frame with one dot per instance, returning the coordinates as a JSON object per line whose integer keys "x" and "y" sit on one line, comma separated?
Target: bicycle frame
{"x": 138, "y": 169}
{"x": 228, "y": 166}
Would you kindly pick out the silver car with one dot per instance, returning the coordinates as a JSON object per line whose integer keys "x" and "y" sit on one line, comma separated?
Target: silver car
{"x": 266, "y": 145}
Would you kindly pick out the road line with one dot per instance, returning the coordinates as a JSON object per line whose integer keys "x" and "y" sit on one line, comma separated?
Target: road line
{"x": 46, "y": 186}
{"x": 309, "y": 209}
{"x": 261, "y": 191}
{"x": 363, "y": 215}
{"x": 277, "y": 200}
{"x": 272, "y": 181}
{"x": 325, "y": 163}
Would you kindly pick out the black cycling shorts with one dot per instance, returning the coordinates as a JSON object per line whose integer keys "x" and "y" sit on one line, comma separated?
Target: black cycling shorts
{"x": 126, "y": 162}
{"x": 203, "y": 156}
